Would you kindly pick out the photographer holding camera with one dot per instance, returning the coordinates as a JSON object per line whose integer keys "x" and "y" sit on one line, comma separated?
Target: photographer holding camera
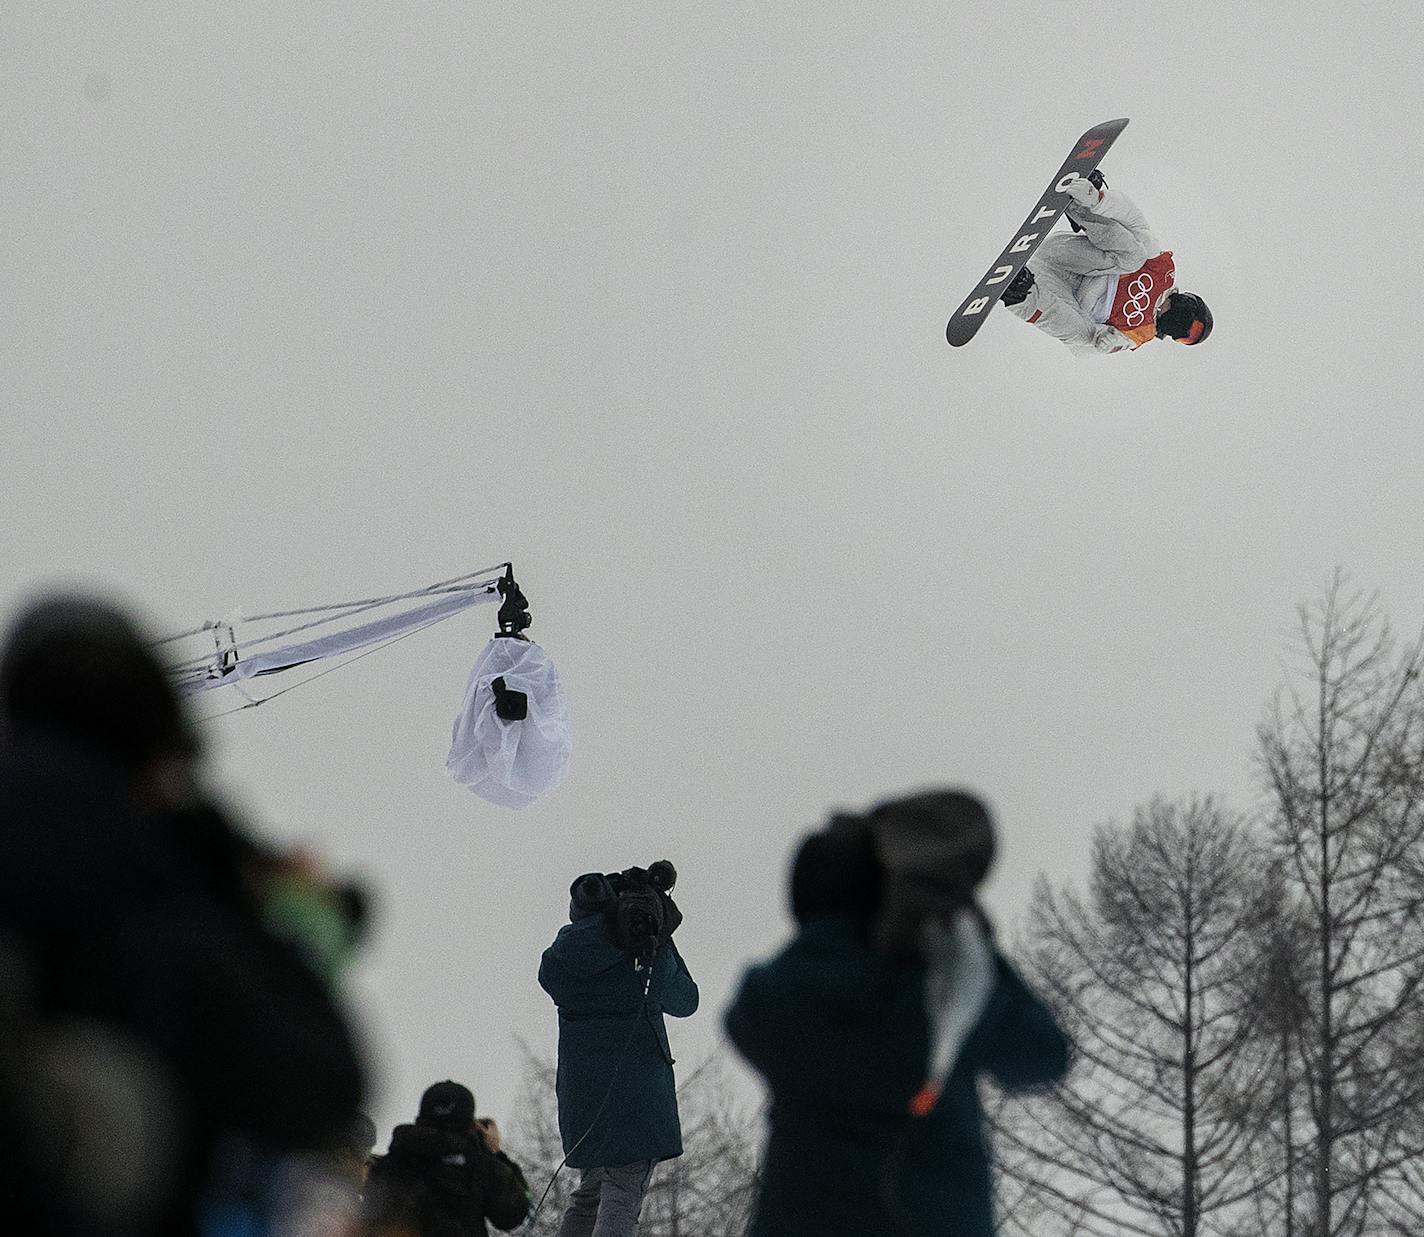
{"x": 445, "y": 1175}
{"x": 613, "y": 971}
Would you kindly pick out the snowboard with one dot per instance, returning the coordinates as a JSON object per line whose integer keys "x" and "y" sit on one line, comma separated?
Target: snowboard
{"x": 1087, "y": 153}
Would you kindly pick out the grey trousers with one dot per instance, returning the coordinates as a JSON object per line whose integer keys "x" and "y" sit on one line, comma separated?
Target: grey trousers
{"x": 606, "y": 1201}
{"x": 1116, "y": 243}
{"x": 1059, "y": 268}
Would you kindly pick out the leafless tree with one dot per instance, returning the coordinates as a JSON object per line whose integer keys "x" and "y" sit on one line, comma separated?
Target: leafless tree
{"x": 1279, "y": 993}
{"x": 1342, "y": 753}
{"x": 535, "y": 1145}
{"x": 709, "y": 1190}
{"x": 706, "y": 1192}
{"x": 1157, "y": 1129}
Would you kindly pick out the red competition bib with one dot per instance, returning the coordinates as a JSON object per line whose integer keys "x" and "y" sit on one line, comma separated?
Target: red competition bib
{"x": 1134, "y": 307}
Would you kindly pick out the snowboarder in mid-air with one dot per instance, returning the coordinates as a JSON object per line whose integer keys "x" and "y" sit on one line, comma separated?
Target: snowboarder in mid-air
{"x": 1108, "y": 287}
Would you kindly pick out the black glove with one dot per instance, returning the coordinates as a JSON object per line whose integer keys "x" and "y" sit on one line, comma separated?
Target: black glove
{"x": 663, "y": 876}
{"x": 1022, "y": 285}
{"x": 672, "y": 917}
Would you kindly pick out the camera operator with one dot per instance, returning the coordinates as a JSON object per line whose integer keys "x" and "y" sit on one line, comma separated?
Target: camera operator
{"x": 180, "y": 972}
{"x": 874, "y": 1025}
{"x": 613, "y": 971}
{"x": 445, "y": 1175}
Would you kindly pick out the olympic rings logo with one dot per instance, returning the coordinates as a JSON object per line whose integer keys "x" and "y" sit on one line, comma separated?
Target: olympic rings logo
{"x": 1139, "y": 297}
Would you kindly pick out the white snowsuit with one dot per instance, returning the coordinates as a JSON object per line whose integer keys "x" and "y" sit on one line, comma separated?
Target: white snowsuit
{"x": 1099, "y": 290}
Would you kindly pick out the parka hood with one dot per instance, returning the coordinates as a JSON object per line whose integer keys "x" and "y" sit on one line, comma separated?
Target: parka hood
{"x": 590, "y": 894}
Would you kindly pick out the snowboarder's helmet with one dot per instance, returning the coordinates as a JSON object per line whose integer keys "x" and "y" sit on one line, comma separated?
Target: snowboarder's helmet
{"x": 1185, "y": 318}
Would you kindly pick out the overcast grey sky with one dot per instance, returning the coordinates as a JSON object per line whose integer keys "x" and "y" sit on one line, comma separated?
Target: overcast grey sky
{"x": 301, "y": 302}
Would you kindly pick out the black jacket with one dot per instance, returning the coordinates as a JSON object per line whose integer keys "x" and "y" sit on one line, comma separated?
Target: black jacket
{"x": 446, "y": 1183}
{"x": 146, "y": 924}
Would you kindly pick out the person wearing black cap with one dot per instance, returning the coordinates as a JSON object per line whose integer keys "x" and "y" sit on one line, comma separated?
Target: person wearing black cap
{"x": 141, "y": 909}
{"x": 613, "y": 971}
{"x": 872, "y": 1026}
{"x": 447, "y": 1174}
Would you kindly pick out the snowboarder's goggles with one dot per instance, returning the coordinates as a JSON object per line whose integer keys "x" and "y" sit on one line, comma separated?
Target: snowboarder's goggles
{"x": 1194, "y": 335}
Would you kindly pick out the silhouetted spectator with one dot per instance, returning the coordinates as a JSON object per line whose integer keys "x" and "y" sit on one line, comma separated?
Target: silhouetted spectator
{"x": 87, "y": 1119}
{"x": 446, "y": 1174}
{"x": 140, "y": 908}
{"x": 351, "y": 1156}
{"x": 872, "y": 1026}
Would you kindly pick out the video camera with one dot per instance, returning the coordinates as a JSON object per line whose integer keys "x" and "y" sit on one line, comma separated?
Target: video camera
{"x": 641, "y": 914}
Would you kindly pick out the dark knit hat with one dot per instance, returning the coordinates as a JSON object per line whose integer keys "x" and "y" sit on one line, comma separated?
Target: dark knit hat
{"x": 836, "y": 871}
{"x": 589, "y": 894}
{"x": 76, "y": 668}
{"x": 448, "y": 1105}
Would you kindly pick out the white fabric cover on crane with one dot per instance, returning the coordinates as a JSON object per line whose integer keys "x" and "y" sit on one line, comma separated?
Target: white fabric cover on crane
{"x": 334, "y": 644}
{"x": 512, "y": 763}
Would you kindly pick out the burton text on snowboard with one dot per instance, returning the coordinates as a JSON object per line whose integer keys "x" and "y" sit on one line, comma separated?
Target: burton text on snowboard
{"x": 1088, "y": 151}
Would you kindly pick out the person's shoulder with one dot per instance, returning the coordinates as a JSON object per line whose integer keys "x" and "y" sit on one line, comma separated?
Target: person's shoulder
{"x": 833, "y": 955}
{"x": 838, "y": 934}
{"x": 430, "y": 1147}
{"x": 583, "y": 936}
{"x": 397, "y": 1155}
{"x": 417, "y": 1142}
{"x": 819, "y": 938}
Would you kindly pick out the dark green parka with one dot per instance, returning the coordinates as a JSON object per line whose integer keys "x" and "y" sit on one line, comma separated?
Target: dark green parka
{"x": 617, "y": 1097}
{"x": 839, "y": 1032}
